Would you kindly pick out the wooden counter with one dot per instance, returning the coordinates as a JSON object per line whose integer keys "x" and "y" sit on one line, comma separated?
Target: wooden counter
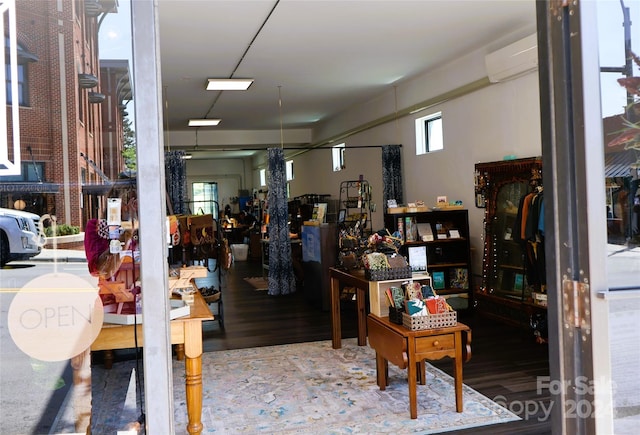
{"x": 186, "y": 332}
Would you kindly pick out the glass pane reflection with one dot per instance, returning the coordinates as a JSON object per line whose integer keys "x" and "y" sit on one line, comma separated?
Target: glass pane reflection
{"x": 621, "y": 140}
{"x": 72, "y": 97}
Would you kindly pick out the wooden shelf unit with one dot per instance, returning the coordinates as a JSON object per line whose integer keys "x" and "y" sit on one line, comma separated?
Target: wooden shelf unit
{"x": 448, "y": 258}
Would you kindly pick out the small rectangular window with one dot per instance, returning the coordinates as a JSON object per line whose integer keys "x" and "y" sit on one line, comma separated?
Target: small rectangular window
{"x": 263, "y": 177}
{"x": 289, "y": 169}
{"x": 429, "y": 136}
{"x": 337, "y": 157}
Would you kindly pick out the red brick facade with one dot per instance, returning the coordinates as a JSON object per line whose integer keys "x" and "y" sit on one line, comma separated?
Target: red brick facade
{"x": 60, "y": 127}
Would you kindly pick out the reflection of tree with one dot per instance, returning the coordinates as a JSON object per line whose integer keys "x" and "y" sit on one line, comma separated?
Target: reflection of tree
{"x": 129, "y": 145}
{"x": 629, "y": 136}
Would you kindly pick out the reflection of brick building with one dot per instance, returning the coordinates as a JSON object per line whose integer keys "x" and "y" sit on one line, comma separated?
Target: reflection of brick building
{"x": 64, "y": 107}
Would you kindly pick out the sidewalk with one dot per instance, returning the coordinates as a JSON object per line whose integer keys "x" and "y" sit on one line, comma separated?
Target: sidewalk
{"x": 61, "y": 255}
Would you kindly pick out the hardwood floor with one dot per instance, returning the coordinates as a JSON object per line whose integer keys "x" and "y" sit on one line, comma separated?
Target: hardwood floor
{"x": 504, "y": 366}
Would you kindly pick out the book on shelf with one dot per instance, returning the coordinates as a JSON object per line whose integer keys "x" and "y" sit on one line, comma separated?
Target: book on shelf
{"x": 411, "y": 229}
{"x": 424, "y": 232}
{"x": 441, "y": 231}
{"x": 454, "y": 234}
{"x": 319, "y": 212}
{"x": 459, "y": 277}
{"x": 518, "y": 281}
{"x": 438, "y": 280}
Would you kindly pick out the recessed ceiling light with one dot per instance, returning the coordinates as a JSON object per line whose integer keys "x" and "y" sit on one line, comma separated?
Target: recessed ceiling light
{"x": 229, "y": 84}
{"x": 203, "y": 122}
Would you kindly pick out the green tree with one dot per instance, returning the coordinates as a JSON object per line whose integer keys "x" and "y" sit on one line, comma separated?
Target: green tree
{"x": 129, "y": 146}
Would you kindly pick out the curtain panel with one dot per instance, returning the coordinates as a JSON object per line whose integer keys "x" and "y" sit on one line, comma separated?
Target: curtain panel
{"x": 176, "y": 180}
{"x": 392, "y": 174}
{"x": 281, "y": 276}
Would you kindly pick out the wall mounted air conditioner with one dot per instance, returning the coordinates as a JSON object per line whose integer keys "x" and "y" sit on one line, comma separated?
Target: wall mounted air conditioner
{"x": 513, "y": 60}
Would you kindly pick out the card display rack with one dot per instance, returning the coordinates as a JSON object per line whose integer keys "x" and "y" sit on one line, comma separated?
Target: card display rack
{"x": 445, "y": 234}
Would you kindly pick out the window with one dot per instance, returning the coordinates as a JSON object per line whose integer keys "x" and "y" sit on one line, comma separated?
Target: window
{"x": 337, "y": 157}
{"x": 23, "y": 58}
{"x": 263, "y": 177}
{"x": 429, "y": 134}
{"x": 289, "y": 169}
{"x": 205, "y": 198}
{"x": 31, "y": 171}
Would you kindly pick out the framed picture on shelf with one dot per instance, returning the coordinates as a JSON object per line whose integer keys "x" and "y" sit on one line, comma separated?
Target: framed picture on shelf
{"x": 438, "y": 280}
{"x": 342, "y": 215}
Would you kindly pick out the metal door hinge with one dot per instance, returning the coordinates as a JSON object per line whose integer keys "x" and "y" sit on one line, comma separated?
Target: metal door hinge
{"x": 576, "y": 305}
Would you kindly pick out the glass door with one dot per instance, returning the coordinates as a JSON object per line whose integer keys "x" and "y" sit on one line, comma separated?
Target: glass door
{"x": 590, "y": 169}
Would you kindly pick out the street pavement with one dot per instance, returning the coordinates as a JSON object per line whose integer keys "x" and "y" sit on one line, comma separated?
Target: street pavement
{"x": 61, "y": 255}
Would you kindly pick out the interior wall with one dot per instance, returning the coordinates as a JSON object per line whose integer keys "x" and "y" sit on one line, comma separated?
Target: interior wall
{"x": 486, "y": 125}
{"x": 230, "y": 174}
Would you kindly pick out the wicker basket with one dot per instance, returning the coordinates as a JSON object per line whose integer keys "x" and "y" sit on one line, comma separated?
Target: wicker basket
{"x": 387, "y": 274}
{"x": 432, "y": 321}
{"x": 395, "y": 315}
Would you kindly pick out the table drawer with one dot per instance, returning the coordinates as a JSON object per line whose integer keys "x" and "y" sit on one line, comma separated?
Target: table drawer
{"x": 435, "y": 343}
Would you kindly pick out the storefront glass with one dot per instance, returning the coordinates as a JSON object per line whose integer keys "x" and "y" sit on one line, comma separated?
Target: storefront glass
{"x": 619, "y": 92}
{"x": 69, "y": 130}
{"x": 619, "y": 46}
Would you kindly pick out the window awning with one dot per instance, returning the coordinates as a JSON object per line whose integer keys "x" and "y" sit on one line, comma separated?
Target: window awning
{"x": 618, "y": 164}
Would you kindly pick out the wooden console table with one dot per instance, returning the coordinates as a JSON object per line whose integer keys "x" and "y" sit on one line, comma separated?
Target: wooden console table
{"x": 409, "y": 349}
{"x": 354, "y": 278}
{"x": 185, "y": 331}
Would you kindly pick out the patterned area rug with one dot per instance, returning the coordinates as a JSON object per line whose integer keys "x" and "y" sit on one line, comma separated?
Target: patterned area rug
{"x": 305, "y": 388}
{"x": 258, "y": 282}
{"x": 310, "y": 388}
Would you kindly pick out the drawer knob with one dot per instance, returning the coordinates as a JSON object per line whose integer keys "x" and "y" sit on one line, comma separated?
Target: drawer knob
{"x": 436, "y": 343}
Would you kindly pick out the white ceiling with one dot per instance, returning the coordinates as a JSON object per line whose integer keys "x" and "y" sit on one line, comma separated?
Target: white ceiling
{"x": 317, "y": 57}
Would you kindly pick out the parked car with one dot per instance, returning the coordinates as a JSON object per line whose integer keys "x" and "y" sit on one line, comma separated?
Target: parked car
{"x": 19, "y": 235}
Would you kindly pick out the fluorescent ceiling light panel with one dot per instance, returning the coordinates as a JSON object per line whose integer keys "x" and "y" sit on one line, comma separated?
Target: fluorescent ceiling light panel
{"x": 203, "y": 122}
{"x": 229, "y": 84}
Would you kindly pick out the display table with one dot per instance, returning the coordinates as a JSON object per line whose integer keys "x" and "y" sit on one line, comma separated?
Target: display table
{"x": 186, "y": 331}
{"x": 409, "y": 349}
{"x": 354, "y": 278}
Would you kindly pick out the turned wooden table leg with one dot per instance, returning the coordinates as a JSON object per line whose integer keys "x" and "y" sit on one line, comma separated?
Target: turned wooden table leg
{"x": 108, "y": 359}
{"x": 179, "y": 351}
{"x": 193, "y": 383}
{"x": 193, "y": 379}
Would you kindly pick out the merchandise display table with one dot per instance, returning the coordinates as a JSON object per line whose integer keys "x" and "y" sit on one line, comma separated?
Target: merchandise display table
{"x": 409, "y": 349}
{"x": 185, "y": 331}
{"x": 354, "y": 278}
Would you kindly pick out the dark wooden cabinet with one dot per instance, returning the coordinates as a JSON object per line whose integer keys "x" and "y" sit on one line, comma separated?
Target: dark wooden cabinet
{"x": 443, "y": 235}
{"x": 318, "y": 255}
{"x": 512, "y": 290}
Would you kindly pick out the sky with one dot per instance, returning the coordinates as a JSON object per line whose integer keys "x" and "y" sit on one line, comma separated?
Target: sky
{"x": 611, "y": 51}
